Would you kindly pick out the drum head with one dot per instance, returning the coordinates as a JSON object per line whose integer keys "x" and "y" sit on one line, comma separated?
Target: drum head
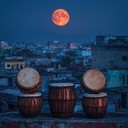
{"x": 61, "y": 84}
{"x": 28, "y": 78}
{"x": 36, "y": 94}
{"x": 93, "y": 80}
{"x": 101, "y": 94}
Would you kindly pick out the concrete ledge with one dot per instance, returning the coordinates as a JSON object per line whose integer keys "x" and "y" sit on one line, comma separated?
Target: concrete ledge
{"x": 79, "y": 120}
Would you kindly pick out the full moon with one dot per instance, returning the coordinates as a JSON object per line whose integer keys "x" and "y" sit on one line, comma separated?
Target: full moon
{"x": 60, "y": 17}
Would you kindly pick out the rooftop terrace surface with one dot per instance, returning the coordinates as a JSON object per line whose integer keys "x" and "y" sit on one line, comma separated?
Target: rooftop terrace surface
{"x": 78, "y": 120}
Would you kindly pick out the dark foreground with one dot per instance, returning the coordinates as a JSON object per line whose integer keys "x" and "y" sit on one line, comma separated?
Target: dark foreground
{"x": 79, "y": 120}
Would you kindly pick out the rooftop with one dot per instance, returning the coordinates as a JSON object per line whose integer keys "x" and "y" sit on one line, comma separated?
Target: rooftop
{"x": 79, "y": 120}
{"x": 14, "y": 58}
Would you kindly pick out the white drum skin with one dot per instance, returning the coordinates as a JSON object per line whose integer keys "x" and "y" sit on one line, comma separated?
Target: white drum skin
{"x": 61, "y": 85}
{"x": 93, "y": 81}
{"x": 28, "y": 80}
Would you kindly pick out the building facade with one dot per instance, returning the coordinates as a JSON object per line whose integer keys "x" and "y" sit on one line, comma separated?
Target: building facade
{"x": 108, "y": 57}
{"x": 111, "y": 40}
{"x": 117, "y": 89}
{"x": 14, "y": 63}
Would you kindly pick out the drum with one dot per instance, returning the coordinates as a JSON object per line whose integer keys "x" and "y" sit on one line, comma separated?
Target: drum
{"x": 93, "y": 81}
{"x": 62, "y": 98}
{"x": 28, "y": 80}
{"x": 95, "y": 105}
{"x": 30, "y": 105}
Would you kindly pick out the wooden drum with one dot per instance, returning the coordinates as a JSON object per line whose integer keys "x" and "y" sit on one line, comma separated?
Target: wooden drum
{"x": 30, "y": 105}
{"x": 93, "y": 81}
{"x": 95, "y": 105}
{"x": 28, "y": 80}
{"x": 62, "y": 98}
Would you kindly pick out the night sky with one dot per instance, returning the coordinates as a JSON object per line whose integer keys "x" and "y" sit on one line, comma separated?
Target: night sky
{"x": 30, "y": 20}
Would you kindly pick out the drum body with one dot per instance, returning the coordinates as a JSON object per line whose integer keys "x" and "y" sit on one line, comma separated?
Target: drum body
{"x": 30, "y": 105}
{"x": 62, "y": 98}
{"x": 95, "y": 105}
{"x": 93, "y": 81}
{"x": 28, "y": 80}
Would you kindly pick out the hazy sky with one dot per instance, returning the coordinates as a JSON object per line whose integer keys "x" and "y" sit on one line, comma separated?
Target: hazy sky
{"x": 30, "y": 20}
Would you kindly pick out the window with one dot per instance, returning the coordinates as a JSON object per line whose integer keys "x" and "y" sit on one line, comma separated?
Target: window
{"x": 123, "y": 79}
{"x": 17, "y": 66}
{"x": 127, "y": 79}
{"x": 124, "y": 58}
{"x": 124, "y": 100}
{"x": 8, "y": 65}
{"x": 21, "y": 66}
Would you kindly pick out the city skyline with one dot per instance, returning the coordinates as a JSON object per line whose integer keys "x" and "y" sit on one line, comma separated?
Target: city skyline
{"x": 30, "y": 21}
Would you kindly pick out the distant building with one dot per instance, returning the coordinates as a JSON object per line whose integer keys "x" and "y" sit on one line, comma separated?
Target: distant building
{"x": 4, "y": 83}
{"x": 111, "y": 40}
{"x": 38, "y": 62}
{"x": 53, "y": 45}
{"x": 106, "y": 57}
{"x": 5, "y": 52}
{"x": 78, "y": 60}
{"x": 4, "y": 45}
{"x": 73, "y": 46}
{"x": 117, "y": 89}
{"x": 14, "y": 63}
{"x": 117, "y": 78}
{"x": 86, "y": 53}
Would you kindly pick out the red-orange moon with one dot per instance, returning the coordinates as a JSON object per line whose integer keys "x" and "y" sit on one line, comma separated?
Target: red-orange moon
{"x": 60, "y": 17}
